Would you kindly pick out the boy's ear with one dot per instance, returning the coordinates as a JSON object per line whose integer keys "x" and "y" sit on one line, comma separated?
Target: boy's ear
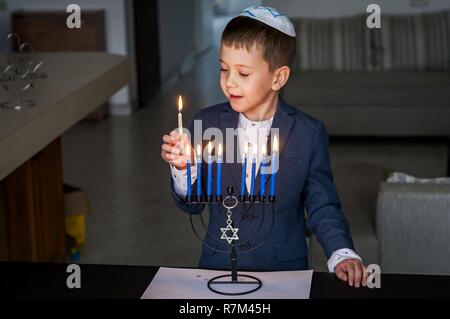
{"x": 281, "y": 77}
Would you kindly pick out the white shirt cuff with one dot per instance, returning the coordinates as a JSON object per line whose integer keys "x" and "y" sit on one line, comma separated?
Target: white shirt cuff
{"x": 341, "y": 255}
{"x": 179, "y": 177}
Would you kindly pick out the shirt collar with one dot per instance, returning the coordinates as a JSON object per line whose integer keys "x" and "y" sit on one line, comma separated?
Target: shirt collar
{"x": 246, "y": 123}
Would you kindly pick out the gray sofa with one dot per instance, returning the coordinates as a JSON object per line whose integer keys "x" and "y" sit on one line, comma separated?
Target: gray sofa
{"x": 375, "y": 104}
{"x": 387, "y": 82}
{"x": 403, "y": 227}
{"x": 413, "y": 228}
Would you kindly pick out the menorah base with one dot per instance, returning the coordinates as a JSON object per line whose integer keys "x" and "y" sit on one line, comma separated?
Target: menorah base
{"x": 250, "y": 286}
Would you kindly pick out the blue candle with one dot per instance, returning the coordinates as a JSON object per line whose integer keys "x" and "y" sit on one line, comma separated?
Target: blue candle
{"x": 199, "y": 171}
{"x": 208, "y": 191}
{"x": 274, "y": 165}
{"x": 262, "y": 188}
{"x": 244, "y": 171}
{"x": 219, "y": 172}
{"x": 188, "y": 163}
{"x": 252, "y": 185}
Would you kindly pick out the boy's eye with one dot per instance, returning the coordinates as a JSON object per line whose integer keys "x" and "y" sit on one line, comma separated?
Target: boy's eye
{"x": 243, "y": 74}
{"x": 223, "y": 70}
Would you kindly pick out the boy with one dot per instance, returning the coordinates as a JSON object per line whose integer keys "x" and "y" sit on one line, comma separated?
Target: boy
{"x": 257, "y": 48}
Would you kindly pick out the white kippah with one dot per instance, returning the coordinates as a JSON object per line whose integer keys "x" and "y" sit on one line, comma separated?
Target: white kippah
{"x": 271, "y": 17}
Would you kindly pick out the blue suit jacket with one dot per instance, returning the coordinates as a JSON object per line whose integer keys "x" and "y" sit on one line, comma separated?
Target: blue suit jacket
{"x": 305, "y": 196}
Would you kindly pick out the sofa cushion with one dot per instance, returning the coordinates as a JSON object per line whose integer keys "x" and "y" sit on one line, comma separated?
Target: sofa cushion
{"x": 399, "y": 177}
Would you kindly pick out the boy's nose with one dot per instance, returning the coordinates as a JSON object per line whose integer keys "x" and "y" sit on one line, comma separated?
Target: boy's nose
{"x": 230, "y": 82}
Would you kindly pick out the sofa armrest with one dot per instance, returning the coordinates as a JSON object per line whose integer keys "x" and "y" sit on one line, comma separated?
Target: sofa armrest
{"x": 413, "y": 228}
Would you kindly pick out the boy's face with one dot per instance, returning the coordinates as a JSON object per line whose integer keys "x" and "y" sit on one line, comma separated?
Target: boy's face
{"x": 245, "y": 78}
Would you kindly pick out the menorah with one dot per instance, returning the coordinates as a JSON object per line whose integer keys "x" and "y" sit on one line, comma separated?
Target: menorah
{"x": 230, "y": 235}
{"x": 229, "y": 232}
{"x": 18, "y": 75}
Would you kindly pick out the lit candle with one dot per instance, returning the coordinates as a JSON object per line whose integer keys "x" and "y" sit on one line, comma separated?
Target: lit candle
{"x": 208, "y": 191}
{"x": 244, "y": 172}
{"x": 219, "y": 174}
{"x": 188, "y": 163}
{"x": 274, "y": 165}
{"x": 252, "y": 184}
{"x": 180, "y": 121}
{"x": 262, "y": 188}
{"x": 199, "y": 173}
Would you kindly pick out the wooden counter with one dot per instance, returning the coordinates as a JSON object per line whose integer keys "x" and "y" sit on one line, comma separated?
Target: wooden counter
{"x": 31, "y": 184}
{"x": 77, "y": 83}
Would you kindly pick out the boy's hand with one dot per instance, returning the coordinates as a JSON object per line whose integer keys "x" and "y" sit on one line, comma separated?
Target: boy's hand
{"x": 170, "y": 150}
{"x": 353, "y": 271}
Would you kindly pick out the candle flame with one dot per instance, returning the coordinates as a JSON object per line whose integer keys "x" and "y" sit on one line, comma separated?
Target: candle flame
{"x": 199, "y": 150}
{"x": 180, "y": 103}
{"x": 275, "y": 144}
{"x": 209, "y": 148}
{"x": 220, "y": 149}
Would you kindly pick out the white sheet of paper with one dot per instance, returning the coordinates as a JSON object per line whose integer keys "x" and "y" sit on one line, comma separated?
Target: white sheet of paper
{"x": 181, "y": 283}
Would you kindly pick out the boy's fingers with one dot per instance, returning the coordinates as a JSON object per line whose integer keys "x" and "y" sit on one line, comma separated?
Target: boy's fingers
{"x": 176, "y": 137}
{"x": 351, "y": 274}
{"x": 169, "y": 139}
{"x": 179, "y": 161}
{"x": 166, "y": 148}
{"x": 166, "y": 156}
{"x": 341, "y": 275}
{"x": 358, "y": 274}
{"x": 365, "y": 275}
{"x": 174, "y": 150}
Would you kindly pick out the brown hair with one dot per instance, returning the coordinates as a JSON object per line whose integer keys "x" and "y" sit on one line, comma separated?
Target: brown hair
{"x": 276, "y": 47}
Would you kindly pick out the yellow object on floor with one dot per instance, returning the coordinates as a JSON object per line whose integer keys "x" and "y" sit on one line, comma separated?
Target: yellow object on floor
{"x": 76, "y": 207}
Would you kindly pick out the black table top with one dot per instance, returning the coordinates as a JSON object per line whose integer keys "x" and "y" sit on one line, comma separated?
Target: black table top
{"x": 48, "y": 280}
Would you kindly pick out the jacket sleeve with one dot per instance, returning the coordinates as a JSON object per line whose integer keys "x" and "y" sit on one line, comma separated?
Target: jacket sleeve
{"x": 181, "y": 202}
{"x": 324, "y": 216}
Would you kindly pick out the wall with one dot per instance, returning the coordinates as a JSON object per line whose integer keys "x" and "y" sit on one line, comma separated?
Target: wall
{"x": 237, "y": 6}
{"x": 231, "y": 7}
{"x": 185, "y": 30}
{"x": 176, "y": 34}
{"x": 204, "y": 31}
{"x": 115, "y": 27}
{"x": 333, "y": 8}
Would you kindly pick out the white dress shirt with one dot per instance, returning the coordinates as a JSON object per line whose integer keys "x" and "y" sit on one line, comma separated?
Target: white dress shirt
{"x": 254, "y": 133}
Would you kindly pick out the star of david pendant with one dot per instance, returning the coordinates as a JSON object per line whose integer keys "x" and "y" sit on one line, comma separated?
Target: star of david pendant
{"x": 226, "y": 233}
